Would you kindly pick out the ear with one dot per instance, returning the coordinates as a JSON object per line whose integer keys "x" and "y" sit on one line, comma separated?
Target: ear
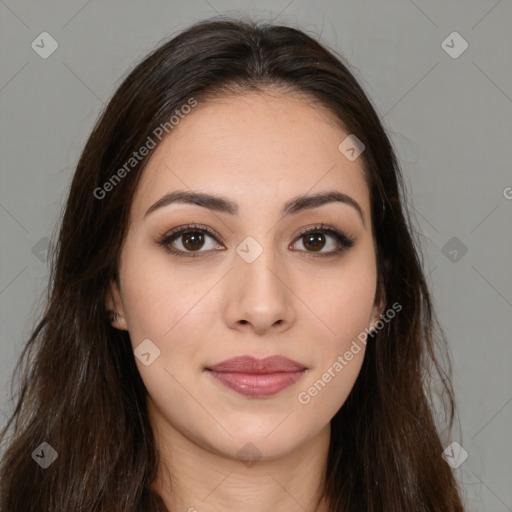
{"x": 114, "y": 306}
{"x": 378, "y": 307}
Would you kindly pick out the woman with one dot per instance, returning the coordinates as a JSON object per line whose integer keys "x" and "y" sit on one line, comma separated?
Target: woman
{"x": 238, "y": 318}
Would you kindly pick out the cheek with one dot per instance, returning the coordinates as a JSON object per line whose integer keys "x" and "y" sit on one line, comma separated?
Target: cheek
{"x": 324, "y": 393}
{"x": 162, "y": 304}
{"x": 157, "y": 297}
{"x": 343, "y": 302}
{"x": 345, "y": 312}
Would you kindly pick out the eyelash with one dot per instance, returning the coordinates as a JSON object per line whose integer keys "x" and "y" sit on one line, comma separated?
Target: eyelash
{"x": 344, "y": 240}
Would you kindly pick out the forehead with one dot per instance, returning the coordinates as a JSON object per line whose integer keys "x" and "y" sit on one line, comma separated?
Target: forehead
{"x": 257, "y": 148}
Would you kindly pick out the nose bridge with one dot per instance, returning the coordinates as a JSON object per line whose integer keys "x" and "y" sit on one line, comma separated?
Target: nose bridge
{"x": 256, "y": 265}
{"x": 259, "y": 295}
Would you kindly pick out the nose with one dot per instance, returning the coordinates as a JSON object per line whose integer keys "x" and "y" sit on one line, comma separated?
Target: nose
{"x": 260, "y": 298}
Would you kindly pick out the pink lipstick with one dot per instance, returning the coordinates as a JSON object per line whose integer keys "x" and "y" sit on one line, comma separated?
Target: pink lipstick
{"x": 254, "y": 377}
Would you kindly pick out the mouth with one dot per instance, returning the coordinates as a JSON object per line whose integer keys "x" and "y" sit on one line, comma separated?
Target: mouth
{"x": 254, "y": 377}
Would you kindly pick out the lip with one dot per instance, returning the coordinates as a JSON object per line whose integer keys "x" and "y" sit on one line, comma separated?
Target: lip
{"x": 255, "y": 377}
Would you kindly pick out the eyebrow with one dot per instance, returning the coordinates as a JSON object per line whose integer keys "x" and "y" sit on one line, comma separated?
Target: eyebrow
{"x": 224, "y": 205}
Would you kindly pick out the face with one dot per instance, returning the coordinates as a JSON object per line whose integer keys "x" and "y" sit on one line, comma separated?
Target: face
{"x": 252, "y": 275}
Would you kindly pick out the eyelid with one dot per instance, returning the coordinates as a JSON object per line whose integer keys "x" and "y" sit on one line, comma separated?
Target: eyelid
{"x": 327, "y": 228}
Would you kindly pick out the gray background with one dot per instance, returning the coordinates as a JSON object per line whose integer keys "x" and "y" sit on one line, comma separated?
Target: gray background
{"x": 450, "y": 120}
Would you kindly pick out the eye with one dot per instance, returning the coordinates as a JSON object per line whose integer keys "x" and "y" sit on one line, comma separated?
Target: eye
{"x": 190, "y": 238}
{"x": 315, "y": 239}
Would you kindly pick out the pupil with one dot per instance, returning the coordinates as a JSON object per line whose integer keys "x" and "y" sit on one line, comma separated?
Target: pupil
{"x": 310, "y": 239}
{"x": 197, "y": 239}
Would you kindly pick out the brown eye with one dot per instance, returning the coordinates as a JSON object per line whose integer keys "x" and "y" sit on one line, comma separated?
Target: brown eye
{"x": 314, "y": 241}
{"x": 192, "y": 240}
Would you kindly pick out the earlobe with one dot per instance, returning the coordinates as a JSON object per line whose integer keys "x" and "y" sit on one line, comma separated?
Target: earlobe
{"x": 114, "y": 307}
{"x": 378, "y": 310}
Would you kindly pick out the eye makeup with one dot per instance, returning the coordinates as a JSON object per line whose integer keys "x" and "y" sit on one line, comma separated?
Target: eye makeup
{"x": 201, "y": 233}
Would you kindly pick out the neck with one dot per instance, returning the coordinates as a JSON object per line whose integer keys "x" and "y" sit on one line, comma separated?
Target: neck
{"x": 194, "y": 479}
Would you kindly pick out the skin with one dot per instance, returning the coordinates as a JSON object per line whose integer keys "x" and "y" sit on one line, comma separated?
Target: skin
{"x": 259, "y": 150}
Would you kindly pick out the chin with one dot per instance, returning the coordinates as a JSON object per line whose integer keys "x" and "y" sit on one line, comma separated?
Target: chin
{"x": 248, "y": 445}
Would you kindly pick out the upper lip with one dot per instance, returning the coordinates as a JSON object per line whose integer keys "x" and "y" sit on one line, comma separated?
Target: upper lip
{"x": 250, "y": 364}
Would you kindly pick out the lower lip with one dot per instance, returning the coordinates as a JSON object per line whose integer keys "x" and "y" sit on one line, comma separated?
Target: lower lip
{"x": 258, "y": 384}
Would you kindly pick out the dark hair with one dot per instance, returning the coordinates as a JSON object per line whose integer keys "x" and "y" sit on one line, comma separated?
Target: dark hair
{"x": 80, "y": 389}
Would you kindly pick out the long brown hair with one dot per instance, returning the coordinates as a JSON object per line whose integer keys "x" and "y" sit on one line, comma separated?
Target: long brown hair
{"x": 79, "y": 388}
